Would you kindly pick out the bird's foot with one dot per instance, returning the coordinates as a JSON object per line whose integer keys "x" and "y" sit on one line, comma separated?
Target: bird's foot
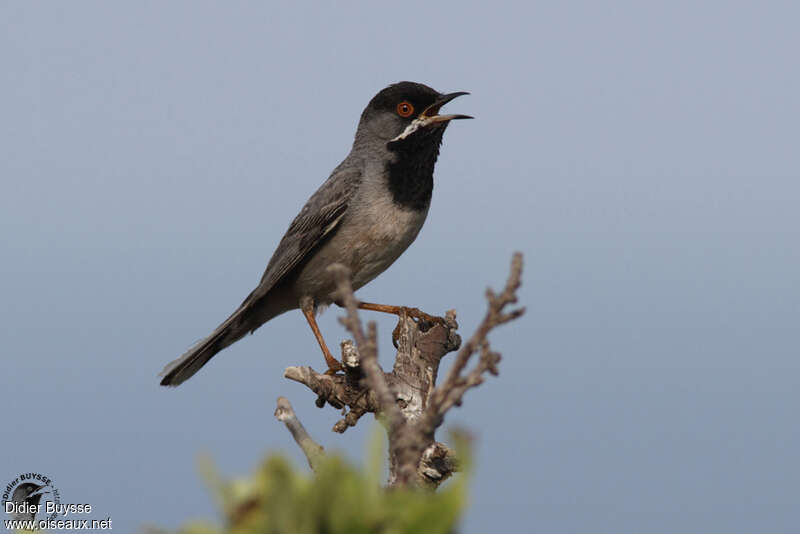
{"x": 419, "y": 315}
{"x": 333, "y": 366}
{"x": 422, "y": 318}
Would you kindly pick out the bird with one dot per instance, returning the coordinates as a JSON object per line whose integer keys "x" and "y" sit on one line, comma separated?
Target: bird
{"x": 364, "y": 216}
{"x": 26, "y": 500}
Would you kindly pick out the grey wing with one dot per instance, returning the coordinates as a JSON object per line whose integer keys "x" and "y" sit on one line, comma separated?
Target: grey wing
{"x": 318, "y": 218}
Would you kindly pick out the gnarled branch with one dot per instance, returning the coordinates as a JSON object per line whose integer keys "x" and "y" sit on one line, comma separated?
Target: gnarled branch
{"x": 407, "y": 399}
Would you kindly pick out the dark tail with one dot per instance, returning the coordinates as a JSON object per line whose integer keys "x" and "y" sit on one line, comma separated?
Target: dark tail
{"x": 233, "y": 329}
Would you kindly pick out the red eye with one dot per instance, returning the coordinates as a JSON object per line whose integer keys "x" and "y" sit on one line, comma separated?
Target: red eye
{"x": 405, "y": 109}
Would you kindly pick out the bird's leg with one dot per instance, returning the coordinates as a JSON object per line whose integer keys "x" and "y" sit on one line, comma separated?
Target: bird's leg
{"x": 414, "y": 313}
{"x": 307, "y": 307}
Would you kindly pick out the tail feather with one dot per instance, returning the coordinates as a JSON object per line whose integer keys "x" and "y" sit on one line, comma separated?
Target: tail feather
{"x": 233, "y": 329}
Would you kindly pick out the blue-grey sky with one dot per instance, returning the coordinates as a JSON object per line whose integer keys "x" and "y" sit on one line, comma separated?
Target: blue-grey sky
{"x": 643, "y": 156}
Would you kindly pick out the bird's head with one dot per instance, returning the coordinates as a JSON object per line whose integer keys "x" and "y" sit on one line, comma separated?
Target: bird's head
{"x": 29, "y": 492}
{"x": 406, "y": 113}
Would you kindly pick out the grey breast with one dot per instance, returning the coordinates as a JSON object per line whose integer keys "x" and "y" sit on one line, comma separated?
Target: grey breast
{"x": 373, "y": 232}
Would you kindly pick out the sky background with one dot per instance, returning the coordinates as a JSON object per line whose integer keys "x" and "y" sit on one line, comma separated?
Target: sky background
{"x": 642, "y": 155}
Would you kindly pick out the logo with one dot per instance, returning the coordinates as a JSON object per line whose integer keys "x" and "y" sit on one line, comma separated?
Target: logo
{"x": 31, "y": 497}
{"x": 32, "y": 502}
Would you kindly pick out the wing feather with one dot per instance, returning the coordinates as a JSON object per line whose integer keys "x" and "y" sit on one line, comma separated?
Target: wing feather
{"x": 319, "y": 217}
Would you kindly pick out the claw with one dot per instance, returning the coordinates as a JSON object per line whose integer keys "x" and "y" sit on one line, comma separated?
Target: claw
{"x": 332, "y": 372}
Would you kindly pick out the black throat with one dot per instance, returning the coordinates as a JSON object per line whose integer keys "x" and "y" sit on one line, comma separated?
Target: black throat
{"x": 410, "y": 175}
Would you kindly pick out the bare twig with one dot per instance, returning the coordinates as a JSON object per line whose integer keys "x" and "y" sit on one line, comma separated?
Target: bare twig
{"x": 367, "y": 347}
{"x": 452, "y": 389}
{"x": 337, "y": 390}
{"x": 313, "y": 451}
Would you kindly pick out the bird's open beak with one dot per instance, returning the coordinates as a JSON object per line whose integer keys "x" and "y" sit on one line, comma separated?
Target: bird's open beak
{"x": 39, "y": 491}
{"x": 431, "y": 114}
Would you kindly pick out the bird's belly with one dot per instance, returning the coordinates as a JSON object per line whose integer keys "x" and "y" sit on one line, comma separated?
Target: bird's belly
{"x": 367, "y": 243}
{"x": 378, "y": 245}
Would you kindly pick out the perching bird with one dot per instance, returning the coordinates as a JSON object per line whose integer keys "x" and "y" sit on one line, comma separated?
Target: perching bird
{"x": 364, "y": 216}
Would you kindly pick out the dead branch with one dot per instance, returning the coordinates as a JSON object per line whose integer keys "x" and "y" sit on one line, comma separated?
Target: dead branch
{"x": 367, "y": 347}
{"x": 313, "y": 450}
{"x": 407, "y": 399}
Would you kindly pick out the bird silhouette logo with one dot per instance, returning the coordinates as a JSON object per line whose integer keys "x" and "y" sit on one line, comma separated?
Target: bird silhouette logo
{"x": 30, "y": 497}
{"x": 27, "y": 497}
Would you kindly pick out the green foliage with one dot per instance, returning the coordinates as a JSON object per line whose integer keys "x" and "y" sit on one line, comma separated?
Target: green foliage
{"x": 337, "y": 499}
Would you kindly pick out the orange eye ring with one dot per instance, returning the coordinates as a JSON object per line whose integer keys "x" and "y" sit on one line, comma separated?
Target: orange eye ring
{"x": 405, "y": 109}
